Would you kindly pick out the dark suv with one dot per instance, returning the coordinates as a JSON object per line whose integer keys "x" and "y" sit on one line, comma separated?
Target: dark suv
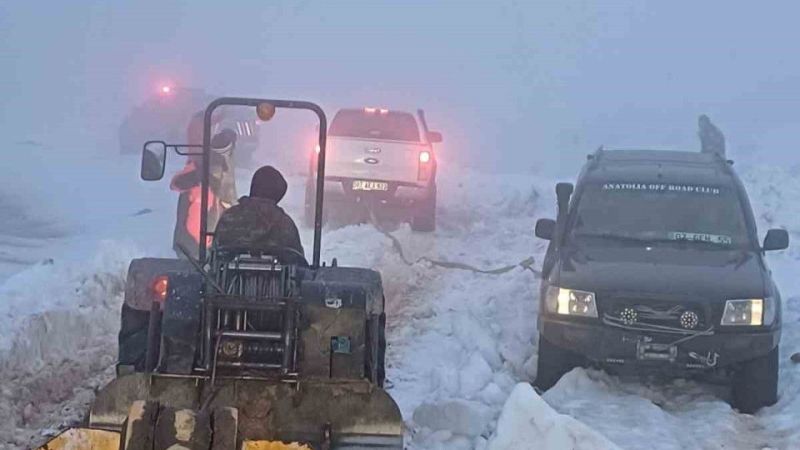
{"x": 655, "y": 264}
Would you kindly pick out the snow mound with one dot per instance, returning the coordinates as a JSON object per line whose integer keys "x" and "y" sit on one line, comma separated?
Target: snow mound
{"x": 59, "y": 342}
{"x": 455, "y": 416}
{"x": 527, "y": 421}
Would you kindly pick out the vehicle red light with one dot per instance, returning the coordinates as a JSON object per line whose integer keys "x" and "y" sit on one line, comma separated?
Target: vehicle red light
{"x": 317, "y": 149}
{"x": 426, "y": 166}
{"x": 166, "y": 89}
{"x": 370, "y": 110}
{"x": 160, "y": 288}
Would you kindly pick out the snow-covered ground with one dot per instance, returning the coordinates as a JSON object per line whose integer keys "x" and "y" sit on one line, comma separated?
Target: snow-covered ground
{"x": 460, "y": 343}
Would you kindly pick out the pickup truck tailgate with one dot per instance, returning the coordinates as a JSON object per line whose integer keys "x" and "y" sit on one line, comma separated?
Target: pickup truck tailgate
{"x": 370, "y": 159}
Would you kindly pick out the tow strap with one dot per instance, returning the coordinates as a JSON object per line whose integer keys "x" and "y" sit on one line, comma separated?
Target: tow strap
{"x": 526, "y": 263}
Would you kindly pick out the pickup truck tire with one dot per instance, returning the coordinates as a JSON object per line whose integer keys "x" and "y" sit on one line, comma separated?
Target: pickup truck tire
{"x": 553, "y": 363}
{"x": 310, "y": 202}
{"x": 755, "y": 383}
{"x": 424, "y": 219}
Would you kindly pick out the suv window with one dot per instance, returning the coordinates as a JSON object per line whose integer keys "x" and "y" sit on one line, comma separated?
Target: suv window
{"x": 661, "y": 212}
{"x": 391, "y": 126}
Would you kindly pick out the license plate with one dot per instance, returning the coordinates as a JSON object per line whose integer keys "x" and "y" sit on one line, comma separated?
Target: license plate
{"x": 360, "y": 185}
{"x": 657, "y": 352}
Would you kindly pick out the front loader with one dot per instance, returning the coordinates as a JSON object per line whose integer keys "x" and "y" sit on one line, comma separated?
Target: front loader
{"x": 245, "y": 348}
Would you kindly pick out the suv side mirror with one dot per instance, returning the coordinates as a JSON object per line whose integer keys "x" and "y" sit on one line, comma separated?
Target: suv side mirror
{"x": 434, "y": 137}
{"x": 154, "y": 160}
{"x": 545, "y": 228}
{"x": 776, "y": 239}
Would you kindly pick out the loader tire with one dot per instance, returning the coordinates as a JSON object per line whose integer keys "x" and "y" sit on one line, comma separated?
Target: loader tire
{"x": 381, "y": 350}
{"x": 553, "y": 363}
{"x": 755, "y": 383}
{"x": 132, "y": 340}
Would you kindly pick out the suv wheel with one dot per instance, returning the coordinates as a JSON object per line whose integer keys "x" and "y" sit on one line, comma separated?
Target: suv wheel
{"x": 424, "y": 218}
{"x": 755, "y": 383}
{"x": 553, "y": 363}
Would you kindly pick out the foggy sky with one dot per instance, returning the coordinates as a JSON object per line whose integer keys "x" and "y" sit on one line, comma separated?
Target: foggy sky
{"x": 525, "y": 84}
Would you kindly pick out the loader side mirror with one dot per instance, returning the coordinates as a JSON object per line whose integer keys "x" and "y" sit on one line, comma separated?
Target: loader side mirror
{"x": 434, "y": 137}
{"x": 545, "y": 229}
{"x": 154, "y": 160}
{"x": 776, "y": 239}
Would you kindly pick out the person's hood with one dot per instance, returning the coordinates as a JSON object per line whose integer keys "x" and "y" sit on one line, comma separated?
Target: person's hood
{"x": 663, "y": 271}
{"x": 258, "y": 202}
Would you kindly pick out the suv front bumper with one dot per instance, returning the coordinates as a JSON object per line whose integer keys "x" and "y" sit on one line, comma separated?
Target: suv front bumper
{"x": 610, "y": 345}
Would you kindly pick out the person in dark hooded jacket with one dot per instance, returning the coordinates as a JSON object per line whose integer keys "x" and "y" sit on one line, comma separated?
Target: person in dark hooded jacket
{"x": 258, "y": 223}
{"x": 711, "y": 138}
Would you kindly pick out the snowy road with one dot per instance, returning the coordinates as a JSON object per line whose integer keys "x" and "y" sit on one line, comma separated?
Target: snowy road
{"x": 458, "y": 342}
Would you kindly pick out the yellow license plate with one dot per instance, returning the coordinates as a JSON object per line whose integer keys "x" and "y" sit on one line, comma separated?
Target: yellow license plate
{"x": 360, "y": 185}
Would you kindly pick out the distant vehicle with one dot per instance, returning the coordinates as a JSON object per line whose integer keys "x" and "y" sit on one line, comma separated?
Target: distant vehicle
{"x": 654, "y": 264}
{"x": 381, "y": 158}
{"x": 166, "y": 116}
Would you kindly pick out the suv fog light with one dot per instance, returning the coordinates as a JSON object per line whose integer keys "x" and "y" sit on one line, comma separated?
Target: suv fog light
{"x": 749, "y": 312}
{"x": 629, "y": 316}
{"x": 570, "y": 302}
{"x": 689, "y": 320}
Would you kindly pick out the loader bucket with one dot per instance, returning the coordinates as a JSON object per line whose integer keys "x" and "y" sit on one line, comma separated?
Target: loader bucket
{"x": 84, "y": 439}
{"x": 151, "y": 412}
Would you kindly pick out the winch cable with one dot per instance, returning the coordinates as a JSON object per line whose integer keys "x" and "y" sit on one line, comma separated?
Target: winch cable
{"x": 691, "y": 334}
{"x": 526, "y": 263}
{"x": 696, "y": 334}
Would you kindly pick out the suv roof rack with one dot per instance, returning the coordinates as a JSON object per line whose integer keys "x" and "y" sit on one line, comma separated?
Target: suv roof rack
{"x": 595, "y": 158}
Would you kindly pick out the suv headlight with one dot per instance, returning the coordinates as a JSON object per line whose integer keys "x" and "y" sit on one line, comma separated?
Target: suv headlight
{"x": 570, "y": 302}
{"x": 749, "y": 312}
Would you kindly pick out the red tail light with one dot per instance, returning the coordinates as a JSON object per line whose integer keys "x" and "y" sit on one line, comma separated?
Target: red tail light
{"x": 160, "y": 288}
{"x": 425, "y": 166}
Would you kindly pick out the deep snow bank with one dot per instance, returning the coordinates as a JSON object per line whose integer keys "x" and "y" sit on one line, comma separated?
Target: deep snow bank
{"x": 58, "y": 345}
{"x": 527, "y": 421}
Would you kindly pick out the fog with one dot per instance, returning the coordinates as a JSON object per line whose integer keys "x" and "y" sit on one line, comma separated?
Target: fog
{"x": 512, "y": 85}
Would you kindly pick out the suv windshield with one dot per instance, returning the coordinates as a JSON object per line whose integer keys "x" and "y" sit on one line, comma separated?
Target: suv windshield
{"x": 387, "y": 125}
{"x": 661, "y": 212}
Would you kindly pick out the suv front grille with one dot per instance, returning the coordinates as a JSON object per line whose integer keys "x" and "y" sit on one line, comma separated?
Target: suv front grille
{"x": 689, "y": 316}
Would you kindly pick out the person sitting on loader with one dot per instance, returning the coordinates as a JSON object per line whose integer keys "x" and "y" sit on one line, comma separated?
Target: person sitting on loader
{"x": 257, "y": 223}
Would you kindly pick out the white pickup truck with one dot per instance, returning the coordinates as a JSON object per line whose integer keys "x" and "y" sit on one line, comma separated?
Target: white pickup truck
{"x": 381, "y": 159}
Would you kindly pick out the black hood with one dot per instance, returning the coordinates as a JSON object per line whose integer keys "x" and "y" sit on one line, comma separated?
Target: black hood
{"x": 663, "y": 271}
